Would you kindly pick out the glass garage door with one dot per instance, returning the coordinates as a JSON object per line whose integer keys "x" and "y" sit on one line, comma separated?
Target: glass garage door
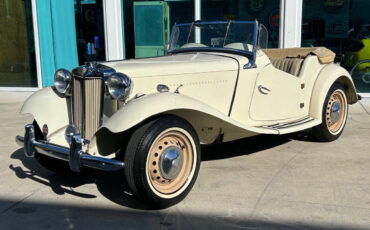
{"x": 89, "y": 30}
{"x": 17, "y": 50}
{"x": 344, "y": 27}
{"x": 266, "y": 12}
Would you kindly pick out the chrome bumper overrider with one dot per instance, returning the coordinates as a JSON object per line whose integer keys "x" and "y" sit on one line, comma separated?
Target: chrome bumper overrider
{"x": 74, "y": 155}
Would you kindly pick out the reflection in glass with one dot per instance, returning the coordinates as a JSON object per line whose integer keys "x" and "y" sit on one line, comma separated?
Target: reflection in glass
{"x": 344, "y": 27}
{"x": 17, "y": 50}
{"x": 361, "y": 75}
{"x": 89, "y": 30}
{"x": 266, "y": 12}
{"x": 223, "y": 35}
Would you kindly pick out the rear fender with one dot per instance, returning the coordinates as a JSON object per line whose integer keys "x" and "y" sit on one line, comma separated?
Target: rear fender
{"x": 327, "y": 77}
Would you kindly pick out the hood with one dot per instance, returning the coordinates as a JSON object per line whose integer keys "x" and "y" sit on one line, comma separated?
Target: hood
{"x": 183, "y": 63}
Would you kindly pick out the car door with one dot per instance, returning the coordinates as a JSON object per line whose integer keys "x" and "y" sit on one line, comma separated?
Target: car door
{"x": 277, "y": 96}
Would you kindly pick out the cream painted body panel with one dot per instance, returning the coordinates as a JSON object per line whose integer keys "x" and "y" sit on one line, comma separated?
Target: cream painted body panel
{"x": 241, "y": 110}
{"x": 290, "y": 95}
{"x": 207, "y": 77}
{"x": 283, "y": 99}
{"x": 302, "y": 85}
{"x": 183, "y": 63}
{"x": 310, "y": 70}
{"x": 218, "y": 86}
{"x": 140, "y": 109}
{"x": 244, "y": 90}
{"x": 48, "y": 108}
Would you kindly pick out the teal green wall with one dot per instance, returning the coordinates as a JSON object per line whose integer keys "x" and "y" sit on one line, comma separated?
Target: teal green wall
{"x": 57, "y": 34}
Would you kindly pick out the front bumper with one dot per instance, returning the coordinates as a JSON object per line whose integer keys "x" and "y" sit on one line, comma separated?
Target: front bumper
{"x": 74, "y": 155}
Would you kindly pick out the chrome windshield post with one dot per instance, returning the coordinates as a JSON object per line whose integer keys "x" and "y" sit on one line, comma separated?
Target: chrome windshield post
{"x": 250, "y": 65}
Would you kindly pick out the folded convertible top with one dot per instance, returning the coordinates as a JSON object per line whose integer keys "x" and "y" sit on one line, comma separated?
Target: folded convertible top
{"x": 324, "y": 55}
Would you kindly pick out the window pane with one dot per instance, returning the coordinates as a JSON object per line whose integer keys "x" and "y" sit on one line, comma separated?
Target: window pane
{"x": 89, "y": 30}
{"x": 266, "y": 12}
{"x": 149, "y": 26}
{"x": 344, "y": 27}
{"x": 17, "y": 55}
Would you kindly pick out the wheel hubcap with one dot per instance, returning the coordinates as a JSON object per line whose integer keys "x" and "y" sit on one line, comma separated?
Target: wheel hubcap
{"x": 171, "y": 162}
{"x": 335, "y": 111}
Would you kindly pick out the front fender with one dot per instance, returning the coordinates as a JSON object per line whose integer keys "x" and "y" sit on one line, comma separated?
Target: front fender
{"x": 328, "y": 75}
{"x": 207, "y": 121}
{"x": 47, "y": 108}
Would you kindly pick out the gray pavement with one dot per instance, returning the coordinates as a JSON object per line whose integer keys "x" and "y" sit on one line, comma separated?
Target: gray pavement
{"x": 264, "y": 182}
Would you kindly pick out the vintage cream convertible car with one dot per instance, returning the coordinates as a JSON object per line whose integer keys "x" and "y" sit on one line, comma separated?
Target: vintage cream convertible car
{"x": 216, "y": 83}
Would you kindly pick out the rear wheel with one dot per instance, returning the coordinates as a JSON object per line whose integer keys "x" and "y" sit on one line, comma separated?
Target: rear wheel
{"x": 334, "y": 115}
{"x": 162, "y": 161}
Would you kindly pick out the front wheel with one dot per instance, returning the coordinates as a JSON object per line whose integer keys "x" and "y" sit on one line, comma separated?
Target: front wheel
{"x": 162, "y": 161}
{"x": 334, "y": 115}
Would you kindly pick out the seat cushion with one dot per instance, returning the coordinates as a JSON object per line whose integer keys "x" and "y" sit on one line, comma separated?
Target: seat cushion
{"x": 289, "y": 65}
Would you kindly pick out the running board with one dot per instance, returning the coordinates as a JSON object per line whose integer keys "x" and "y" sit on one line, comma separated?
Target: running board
{"x": 294, "y": 126}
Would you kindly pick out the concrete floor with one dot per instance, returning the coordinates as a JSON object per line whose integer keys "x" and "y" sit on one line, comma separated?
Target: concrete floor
{"x": 265, "y": 182}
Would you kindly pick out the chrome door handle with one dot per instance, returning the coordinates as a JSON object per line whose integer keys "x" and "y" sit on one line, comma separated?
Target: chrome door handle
{"x": 263, "y": 89}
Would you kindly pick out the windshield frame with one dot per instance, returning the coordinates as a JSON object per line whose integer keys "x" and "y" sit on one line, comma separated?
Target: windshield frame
{"x": 249, "y": 54}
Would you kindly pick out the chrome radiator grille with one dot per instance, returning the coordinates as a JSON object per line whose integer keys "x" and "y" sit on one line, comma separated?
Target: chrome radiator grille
{"x": 77, "y": 103}
{"x": 87, "y": 104}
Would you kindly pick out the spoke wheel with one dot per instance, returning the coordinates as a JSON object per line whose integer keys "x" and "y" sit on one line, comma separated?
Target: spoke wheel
{"x": 170, "y": 162}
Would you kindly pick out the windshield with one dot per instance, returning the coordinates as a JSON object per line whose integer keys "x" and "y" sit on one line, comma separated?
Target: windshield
{"x": 225, "y": 35}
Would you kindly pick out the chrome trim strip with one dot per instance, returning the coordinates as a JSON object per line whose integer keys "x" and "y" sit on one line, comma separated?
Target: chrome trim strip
{"x": 291, "y": 124}
{"x": 83, "y": 94}
{"x": 295, "y": 124}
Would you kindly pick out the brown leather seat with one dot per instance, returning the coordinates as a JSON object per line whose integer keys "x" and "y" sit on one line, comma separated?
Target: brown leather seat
{"x": 289, "y": 65}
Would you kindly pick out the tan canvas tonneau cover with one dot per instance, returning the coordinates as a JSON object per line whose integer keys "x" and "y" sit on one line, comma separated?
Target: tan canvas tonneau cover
{"x": 324, "y": 55}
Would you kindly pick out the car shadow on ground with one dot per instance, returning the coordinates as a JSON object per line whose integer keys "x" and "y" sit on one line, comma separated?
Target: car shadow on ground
{"x": 241, "y": 147}
{"x": 113, "y": 185}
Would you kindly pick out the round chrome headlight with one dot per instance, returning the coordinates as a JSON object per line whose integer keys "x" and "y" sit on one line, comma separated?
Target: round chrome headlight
{"x": 62, "y": 81}
{"x": 119, "y": 86}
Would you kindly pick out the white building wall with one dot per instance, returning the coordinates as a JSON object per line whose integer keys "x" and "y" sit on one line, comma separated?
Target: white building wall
{"x": 112, "y": 10}
{"x": 290, "y": 23}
